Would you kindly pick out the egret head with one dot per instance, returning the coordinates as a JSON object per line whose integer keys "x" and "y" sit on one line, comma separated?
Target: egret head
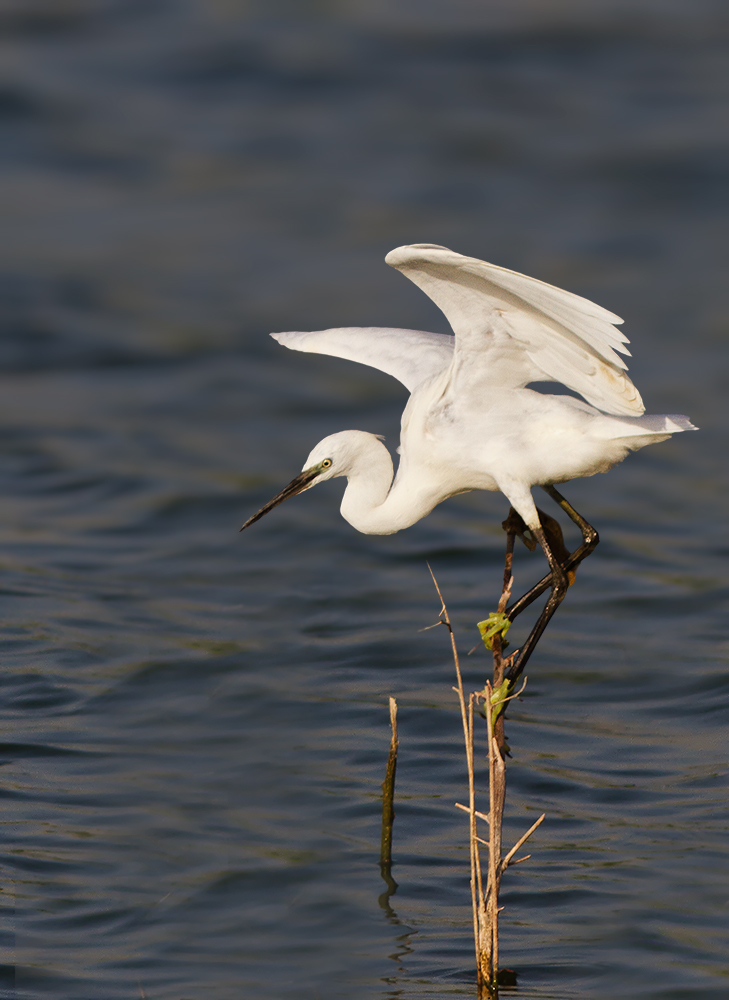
{"x": 333, "y": 456}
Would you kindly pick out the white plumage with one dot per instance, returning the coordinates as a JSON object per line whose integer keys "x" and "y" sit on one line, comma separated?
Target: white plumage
{"x": 471, "y": 422}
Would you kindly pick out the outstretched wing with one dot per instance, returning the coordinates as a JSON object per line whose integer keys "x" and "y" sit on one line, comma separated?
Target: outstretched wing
{"x": 410, "y": 356}
{"x": 512, "y": 330}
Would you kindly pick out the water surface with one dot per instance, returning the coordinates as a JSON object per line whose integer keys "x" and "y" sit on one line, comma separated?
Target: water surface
{"x": 194, "y": 722}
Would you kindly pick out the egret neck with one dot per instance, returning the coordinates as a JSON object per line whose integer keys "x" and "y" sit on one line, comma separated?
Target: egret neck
{"x": 372, "y": 502}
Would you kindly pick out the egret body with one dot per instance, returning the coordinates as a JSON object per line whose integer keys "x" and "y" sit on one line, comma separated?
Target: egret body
{"x": 471, "y": 423}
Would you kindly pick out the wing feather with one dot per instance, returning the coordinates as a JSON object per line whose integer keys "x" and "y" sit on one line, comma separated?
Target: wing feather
{"x": 410, "y": 356}
{"x": 555, "y": 335}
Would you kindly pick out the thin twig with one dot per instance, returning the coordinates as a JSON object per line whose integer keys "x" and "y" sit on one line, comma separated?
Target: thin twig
{"x": 502, "y": 701}
{"x": 517, "y": 845}
{"x": 445, "y": 620}
{"x": 468, "y": 739}
{"x": 473, "y": 830}
{"x": 475, "y": 812}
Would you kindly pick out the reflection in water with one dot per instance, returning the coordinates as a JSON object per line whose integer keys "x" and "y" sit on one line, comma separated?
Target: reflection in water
{"x": 403, "y": 948}
{"x": 383, "y": 900}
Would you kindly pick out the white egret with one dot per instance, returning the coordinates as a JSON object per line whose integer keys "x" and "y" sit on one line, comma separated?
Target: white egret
{"x": 471, "y": 423}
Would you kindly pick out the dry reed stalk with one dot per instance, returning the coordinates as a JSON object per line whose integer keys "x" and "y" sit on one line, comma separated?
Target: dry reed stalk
{"x": 485, "y": 903}
{"x": 468, "y": 739}
{"x": 495, "y": 695}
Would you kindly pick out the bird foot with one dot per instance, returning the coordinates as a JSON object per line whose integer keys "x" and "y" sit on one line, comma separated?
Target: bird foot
{"x": 553, "y": 530}
{"x": 515, "y": 525}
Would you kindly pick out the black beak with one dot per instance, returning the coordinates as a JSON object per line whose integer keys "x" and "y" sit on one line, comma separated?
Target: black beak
{"x": 298, "y": 485}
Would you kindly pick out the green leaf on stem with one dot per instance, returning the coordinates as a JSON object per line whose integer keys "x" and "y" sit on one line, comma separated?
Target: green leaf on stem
{"x": 499, "y": 698}
{"x": 496, "y": 624}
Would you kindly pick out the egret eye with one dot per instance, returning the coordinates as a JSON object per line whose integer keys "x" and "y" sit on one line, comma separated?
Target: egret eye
{"x": 326, "y": 463}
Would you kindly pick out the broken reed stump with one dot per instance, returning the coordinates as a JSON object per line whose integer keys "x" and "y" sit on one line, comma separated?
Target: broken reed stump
{"x": 388, "y": 806}
{"x": 495, "y": 698}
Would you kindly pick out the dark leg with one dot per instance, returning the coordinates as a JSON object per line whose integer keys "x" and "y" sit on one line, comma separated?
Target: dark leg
{"x": 590, "y": 539}
{"x": 559, "y": 584}
{"x": 589, "y": 535}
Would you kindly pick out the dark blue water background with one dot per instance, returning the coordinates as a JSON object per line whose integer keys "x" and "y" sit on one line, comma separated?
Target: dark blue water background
{"x": 194, "y": 722}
